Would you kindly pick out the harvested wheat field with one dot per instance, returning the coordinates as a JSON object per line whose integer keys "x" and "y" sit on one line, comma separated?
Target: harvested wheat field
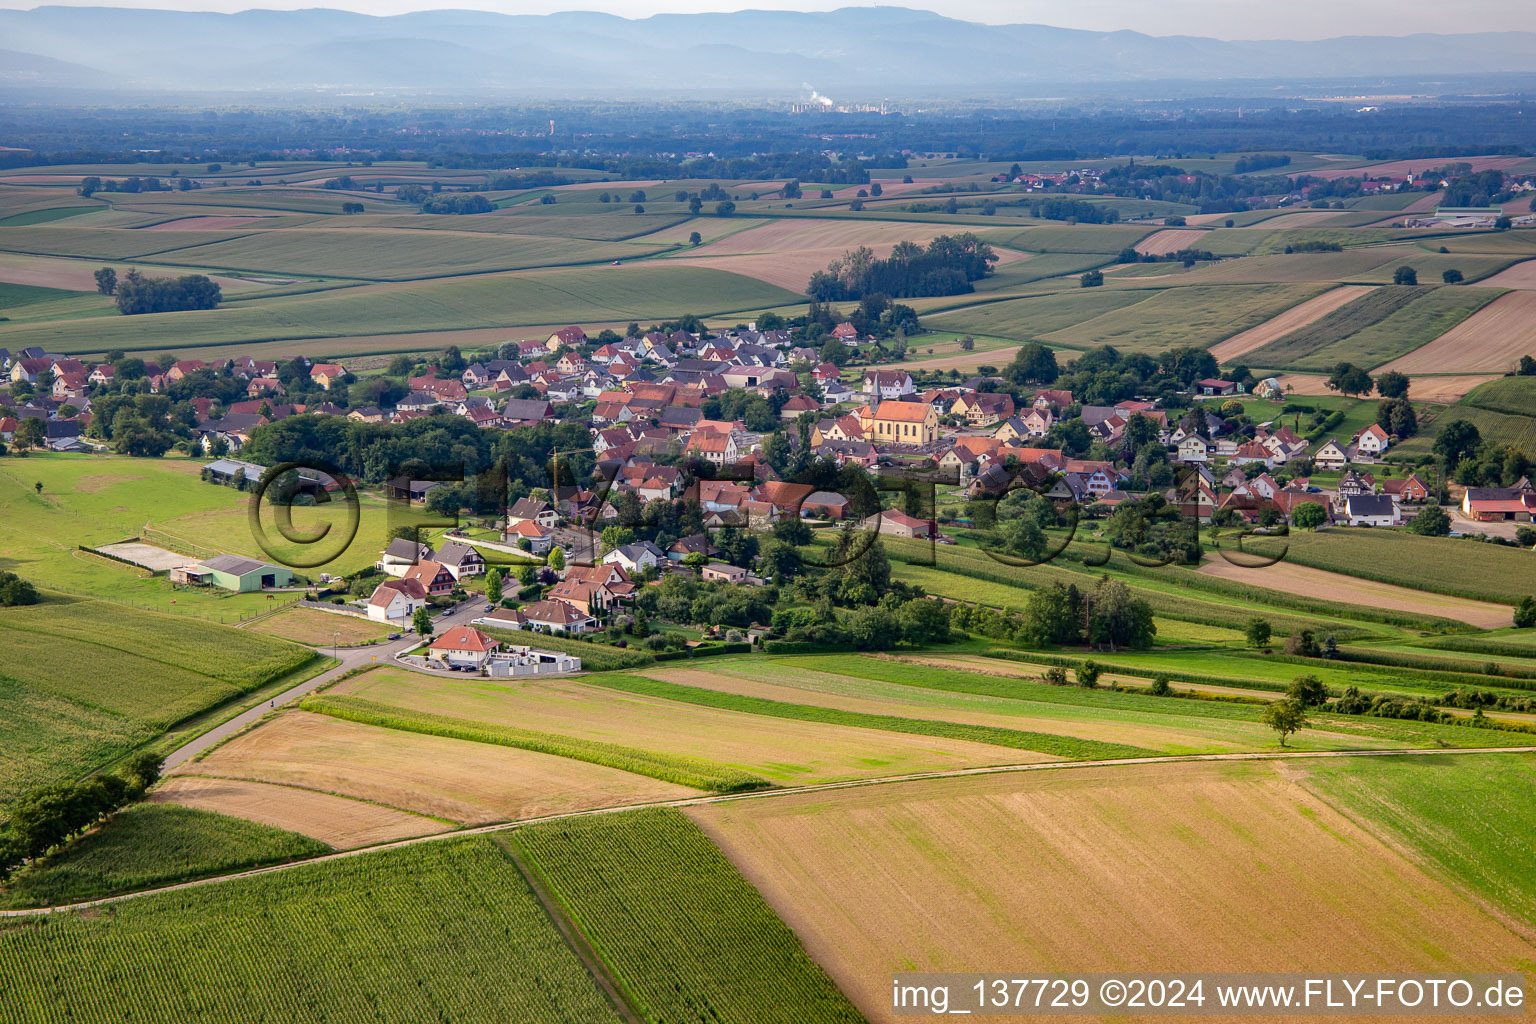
{"x": 334, "y": 820}
{"x": 1446, "y": 388}
{"x": 1161, "y": 243}
{"x": 1521, "y": 276}
{"x": 1300, "y": 579}
{"x": 319, "y": 629}
{"x": 1219, "y": 866}
{"x": 1492, "y": 340}
{"x": 776, "y": 749}
{"x": 1296, "y": 317}
{"x": 471, "y": 783}
{"x": 203, "y": 223}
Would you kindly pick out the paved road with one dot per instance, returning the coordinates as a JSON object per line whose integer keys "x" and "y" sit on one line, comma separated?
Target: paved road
{"x": 382, "y": 653}
{"x": 769, "y": 794}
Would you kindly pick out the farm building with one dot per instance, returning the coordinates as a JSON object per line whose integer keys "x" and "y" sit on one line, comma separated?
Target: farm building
{"x": 1494, "y": 504}
{"x": 231, "y": 572}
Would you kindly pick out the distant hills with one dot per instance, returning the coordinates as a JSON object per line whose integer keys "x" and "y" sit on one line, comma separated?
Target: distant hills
{"x": 854, "y": 53}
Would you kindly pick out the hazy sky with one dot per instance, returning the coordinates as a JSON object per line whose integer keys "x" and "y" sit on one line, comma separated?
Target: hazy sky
{"x": 1224, "y": 19}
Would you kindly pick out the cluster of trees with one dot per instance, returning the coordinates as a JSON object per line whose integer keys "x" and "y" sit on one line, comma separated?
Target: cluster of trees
{"x": 42, "y": 819}
{"x": 948, "y": 266}
{"x": 1260, "y": 162}
{"x": 686, "y": 600}
{"x": 1107, "y": 616}
{"x": 139, "y": 294}
{"x": 499, "y": 465}
{"x": 1074, "y": 210}
{"x": 1476, "y": 462}
{"x": 16, "y": 591}
{"x": 91, "y": 184}
{"x": 1151, "y": 528}
{"x": 458, "y": 204}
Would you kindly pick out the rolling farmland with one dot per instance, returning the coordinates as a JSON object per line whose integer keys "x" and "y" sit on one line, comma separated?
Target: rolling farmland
{"x": 1492, "y": 339}
{"x": 685, "y": 935}
{"x": 399, "y": 936}
{"x": 1194, "y": 315}
{"x": 956, "y": 875}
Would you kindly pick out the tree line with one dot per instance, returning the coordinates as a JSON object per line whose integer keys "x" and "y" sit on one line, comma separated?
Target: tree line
{"x": 947, "y": 266}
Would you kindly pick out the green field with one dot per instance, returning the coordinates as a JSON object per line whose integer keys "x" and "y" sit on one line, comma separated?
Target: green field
{"x": 1199, "y": 315}
{"x": 1173, "y": 725}
{"x": 686, "y": 937}
{"x": 1465, "y": 815}
{"x": 375, "y": 254}
{"x": 84, "y": 681}
{"x": 1375, "y": 328}
{"x": 1443, "y": 565}
{"x": 443, "y": 931}
{"x": 646, "y": 291}
{"x": 1029, "y": 318}
{"x": 1504, "y": 411}
{"x": 147, "y": 845}
{"x": 93, "y": 500}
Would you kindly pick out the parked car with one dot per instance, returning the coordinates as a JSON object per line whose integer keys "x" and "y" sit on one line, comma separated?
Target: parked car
{"x": 490, "y": 607}
{"x": 393, "y": 636}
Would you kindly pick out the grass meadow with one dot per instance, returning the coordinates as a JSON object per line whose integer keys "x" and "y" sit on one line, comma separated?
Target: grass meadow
{"x": 85, "y": 681}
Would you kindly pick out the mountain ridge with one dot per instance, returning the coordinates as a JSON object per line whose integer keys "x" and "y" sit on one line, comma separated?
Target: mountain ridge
{"x": 858, "y": 51}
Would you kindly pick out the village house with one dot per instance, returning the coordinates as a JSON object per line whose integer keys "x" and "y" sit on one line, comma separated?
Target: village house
{"x": 720, "y": 572}
{"x": 1330, "y": 457}
{"x": 636, "y": 557}
{"x": 1409, "y": 490}
{"x": 540, "y": 538}
{"x": 898, "y": 524}
{"x": 1370, "y": 510}
{"x": 434, "y": 576}
{"x": 554, "y": 617}
{"x": 461, "y": 560}
{"x": 982, "y": 408}
{"x": 462, "y": 647}
{"x": 881, "y": 384}
{"x": 1500, "y": 504}
{"x": 327, "y": 375}
{"x": 397, "y": 601}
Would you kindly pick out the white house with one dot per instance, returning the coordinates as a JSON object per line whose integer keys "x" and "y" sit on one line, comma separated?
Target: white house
{"x": 1371, "y": 510}
{"x": 462, "y": 645}
{"x": 1372, "y": 440}
{"x": 396, "y": 601}
{"x": 402, "y": 554}
{"x": 1330, "y": 456}
{"x": 636, "y": 557}
{"x": 1194, "y": 449}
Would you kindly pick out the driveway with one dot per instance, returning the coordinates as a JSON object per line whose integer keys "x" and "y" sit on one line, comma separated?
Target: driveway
{"x": 382, "y": 653}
